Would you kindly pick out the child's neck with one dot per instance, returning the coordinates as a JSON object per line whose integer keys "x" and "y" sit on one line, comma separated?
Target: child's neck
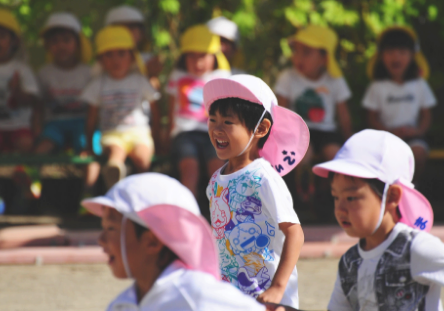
{"x": 145, "y": 281}
{"x": 398, "y": 80}
{"x": 237, "y": 163}
{"x": 380, "y": 235}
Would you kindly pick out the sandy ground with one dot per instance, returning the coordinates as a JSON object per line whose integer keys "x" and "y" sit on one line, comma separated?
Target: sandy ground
{"x": 91, "y": 287}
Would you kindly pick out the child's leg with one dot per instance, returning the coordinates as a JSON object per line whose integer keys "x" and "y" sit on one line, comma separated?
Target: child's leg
{"x": 189, "y": 174}
{"x": 115, "y": 148}
{"x": 52, "y": 137}
{"x": 141, "y": 156}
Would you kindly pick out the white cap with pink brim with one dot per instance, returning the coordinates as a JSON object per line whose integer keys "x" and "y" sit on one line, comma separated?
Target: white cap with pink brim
{"x": 289, "y": 137}
{"x": 167, "y": 208}
{"x": 382, "y": 155}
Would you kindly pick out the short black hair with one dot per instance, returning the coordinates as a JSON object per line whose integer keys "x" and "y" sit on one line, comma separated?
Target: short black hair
{"x": 375, "y": 184}
{"x": 166, "y": 255}
{"x": 248, "y": 113}
{"x": 182, "y": 63}
{"x": 395, "y": 39}
{"x": 60, "y": 30}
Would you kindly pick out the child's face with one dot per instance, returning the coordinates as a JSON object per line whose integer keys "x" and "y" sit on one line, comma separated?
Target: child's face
{"x": 397, "y": 61}
{"x": 199, "y": 63}
{"x": 310, "y": 62}
{"x": 228, "y": 135}
{"x": 228, "y": 48}
{"x": 357, "y": 207}
{"x": 109, "y": 240}
{"x": 7, "y": 40}
{"x": 64, "y": 48}
{"x": 117, "y": 63}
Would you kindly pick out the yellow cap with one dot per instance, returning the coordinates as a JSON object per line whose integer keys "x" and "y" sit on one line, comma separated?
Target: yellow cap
{"x": 118, "y": 38}
{"x": 320, "y": 37}
{"x": 420, "y": 59}
{"x": 199, "y": 39}
{"x": 9, "y": 21}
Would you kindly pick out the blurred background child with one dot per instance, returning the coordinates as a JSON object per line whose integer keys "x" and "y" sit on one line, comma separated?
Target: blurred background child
{"x": 133, "y": 19}
{"x": 18, "y": 91}
{"x": 120, "y": 99}
{"x": 229, "y": 39}
{"x": 399, "y": 100}
{"x": 201, "y": 61}
{"x": 315, "y": 88}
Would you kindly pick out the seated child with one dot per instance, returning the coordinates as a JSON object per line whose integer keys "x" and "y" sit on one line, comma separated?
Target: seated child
{"x": 133, "y": 19}
{"x": 316, "y": 89}
{"x": 120, "y": 98}
{"x": 200, "y": 62}
{"x": 153, "y": 232}
{"x": 229, "y": 39}
{"x": 396, "y": 265}
{"x": 18, "y": 91}
{"x": 62, "y": 81}
{"x": 258, "y": 233}
{"x": 399, "y": 100}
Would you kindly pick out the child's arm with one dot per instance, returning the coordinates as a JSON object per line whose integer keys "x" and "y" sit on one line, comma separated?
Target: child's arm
{"x": 171, "y": 104}
{"x": 91, "y": 122}
{"x": 155, "y": 122}
{"x": 294, "y": 238}
{"x": 344, "y": 119}
{"x": 283, "y": 101}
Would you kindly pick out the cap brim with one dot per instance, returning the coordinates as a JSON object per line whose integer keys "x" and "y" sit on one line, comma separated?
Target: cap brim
{"x": 95, "y": 205}
{"x": 288, "y": 141}
{"x": 345, "y": 167}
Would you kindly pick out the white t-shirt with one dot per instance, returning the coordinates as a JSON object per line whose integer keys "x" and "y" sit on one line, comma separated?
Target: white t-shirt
{"x": 61, "y": 91}
{"x": 187, "y": 89}
{"x": 246, "y": 208}
{"x": 123, "y": 103}
{"x": 426, "y": 267}
{"x": 314, "y": 101}
{"x": 399, "y": 104}
{"x": 180, "y": 289}
{"x": 11, "y": 117}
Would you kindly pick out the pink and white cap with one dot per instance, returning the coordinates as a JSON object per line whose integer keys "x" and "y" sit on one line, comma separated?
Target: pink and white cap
{"x": 289, "y": 137}
{"x": 384, "y": 156}
{"x": 167, "y": 208}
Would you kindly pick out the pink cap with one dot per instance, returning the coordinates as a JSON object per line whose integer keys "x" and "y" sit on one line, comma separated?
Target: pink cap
{"x": 289, "y": 137}
{"x": 384, "y": 156}
{"x": 169, "y": 209}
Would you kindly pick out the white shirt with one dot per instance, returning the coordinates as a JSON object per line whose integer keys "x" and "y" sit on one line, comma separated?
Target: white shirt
{"x": 179, "y": 289}
{"x": 61, "y": 91}
{"x": 399, "y": 104}
{"x": 426, "y": 267}
{"x": 246, "y": 208}
{"x": 123, "y": 103}
{"x": 12, "y": 118}
{"x": 187, "y": 90}
{"x": 315, "y": 101}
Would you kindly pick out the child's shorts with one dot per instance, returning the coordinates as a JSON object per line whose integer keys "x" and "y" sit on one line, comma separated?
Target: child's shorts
{"x": 128, "y": 139}
{"x": 7, "y": 138}
{"x": 193, "y": 144}
{"x": 320, "y": 139}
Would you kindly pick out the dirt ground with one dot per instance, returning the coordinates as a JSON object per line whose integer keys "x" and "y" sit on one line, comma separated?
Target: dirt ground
{"x": 91, "y": 287}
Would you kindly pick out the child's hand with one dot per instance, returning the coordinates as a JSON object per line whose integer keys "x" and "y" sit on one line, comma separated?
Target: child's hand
{"x": 273, "y": 294}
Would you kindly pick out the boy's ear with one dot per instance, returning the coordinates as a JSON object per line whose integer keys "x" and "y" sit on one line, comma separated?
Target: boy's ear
{"x": 394, "y": 195}
{"x": 151, "y": 243}
{"x": 263, "y": 128}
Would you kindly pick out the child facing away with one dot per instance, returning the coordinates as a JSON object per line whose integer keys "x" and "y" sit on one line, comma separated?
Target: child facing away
{"x": 316, "y": 89}
{"x": 201, "y": 60}
{"x": 62, "y": 81}
{"x": 132, "y": 18}
{"x": 396, "y": 265}
{"x": 229, "y": 39}
{"x": 18, "y": 91}
{"x": 399, "y": 100}
{"x": 153, "y": 233}
{"x": 120, "y": 98}
{"x": 258, "y": 233}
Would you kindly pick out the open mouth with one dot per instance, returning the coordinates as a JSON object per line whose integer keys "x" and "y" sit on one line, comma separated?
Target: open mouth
{"x": 221, "y": 144}
{"x": 345, "y": 224}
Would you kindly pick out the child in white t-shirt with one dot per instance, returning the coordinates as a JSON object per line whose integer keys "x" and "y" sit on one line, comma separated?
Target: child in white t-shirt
{"x": 18, "y": 91}
{"x": 62, "y": 81}
{"x": 120, "y": 99}
{"x": 396, "y": 265}
{"x": 258, "y": 233}
{"x": 399, "y": 100}
{"x": 201, "y": 60}
{"x": 153, "y": 233}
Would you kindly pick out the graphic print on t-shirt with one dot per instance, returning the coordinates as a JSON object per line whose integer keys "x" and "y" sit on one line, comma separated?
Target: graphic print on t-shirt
{"x": 65, "y": 101}
{"x": 242, "y": 232}
{"x": 117, "y": 107}
{"x": 191, "y": 102}
{"x": 310, "y": 106}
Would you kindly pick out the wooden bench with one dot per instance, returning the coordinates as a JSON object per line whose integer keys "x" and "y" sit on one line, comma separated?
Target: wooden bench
{"x": 436, "y": 154}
